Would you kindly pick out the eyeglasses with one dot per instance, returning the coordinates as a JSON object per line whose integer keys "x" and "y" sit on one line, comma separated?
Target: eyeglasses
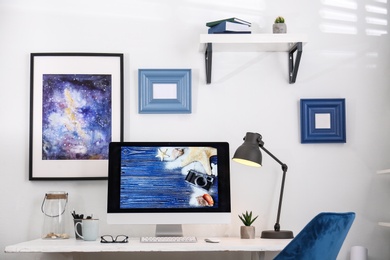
{"x": 111, "y": 239}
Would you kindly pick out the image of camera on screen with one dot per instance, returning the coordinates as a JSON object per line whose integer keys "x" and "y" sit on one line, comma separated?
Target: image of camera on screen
{"x": 200, "y": 180}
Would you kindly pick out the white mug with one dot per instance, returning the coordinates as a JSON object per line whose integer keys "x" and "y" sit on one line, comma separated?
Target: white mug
{"x": 89, "y": 229}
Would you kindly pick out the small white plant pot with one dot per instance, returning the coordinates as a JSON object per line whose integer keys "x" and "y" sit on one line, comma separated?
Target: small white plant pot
{"x": 247, "y": 232}
{"x": 279, "y": 28}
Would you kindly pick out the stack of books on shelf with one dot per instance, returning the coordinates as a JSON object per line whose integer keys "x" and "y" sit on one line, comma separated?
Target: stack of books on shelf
{"x": 229, "y": 25}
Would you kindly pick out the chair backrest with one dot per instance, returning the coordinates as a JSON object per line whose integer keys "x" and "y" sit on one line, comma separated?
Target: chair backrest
{"x": 320, "y": 239}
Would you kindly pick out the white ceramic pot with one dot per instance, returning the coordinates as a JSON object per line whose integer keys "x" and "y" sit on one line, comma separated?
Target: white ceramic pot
{"x": 279, "y": 28}
{"x": 247, "y": 232}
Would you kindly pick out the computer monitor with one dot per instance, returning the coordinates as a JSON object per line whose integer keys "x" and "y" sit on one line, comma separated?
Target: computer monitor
{"x": 168, "y": 184}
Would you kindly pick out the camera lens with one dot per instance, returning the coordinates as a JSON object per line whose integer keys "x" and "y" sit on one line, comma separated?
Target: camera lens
{"x": 200, "y": 181}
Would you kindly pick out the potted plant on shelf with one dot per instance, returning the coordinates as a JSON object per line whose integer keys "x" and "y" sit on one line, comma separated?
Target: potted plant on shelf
{"x": 279, "y": 25}
{"x": 247, "y": 231}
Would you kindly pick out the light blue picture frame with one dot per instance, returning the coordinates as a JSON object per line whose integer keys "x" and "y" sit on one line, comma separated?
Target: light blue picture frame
{"x": 164, "y": 91}
{"x": 323, "y": 120}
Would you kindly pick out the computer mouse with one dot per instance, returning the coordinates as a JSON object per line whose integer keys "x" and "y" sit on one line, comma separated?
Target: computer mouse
{"x": 212, "y": 240}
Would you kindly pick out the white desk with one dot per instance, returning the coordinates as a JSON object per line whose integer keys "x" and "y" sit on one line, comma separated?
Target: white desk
{"x": 74, "y": 249}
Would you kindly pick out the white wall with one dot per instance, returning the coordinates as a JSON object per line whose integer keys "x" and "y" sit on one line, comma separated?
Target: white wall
{"x": 249, "y": 92}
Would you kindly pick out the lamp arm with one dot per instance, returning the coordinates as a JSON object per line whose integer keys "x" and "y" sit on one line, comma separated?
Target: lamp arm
{"x": 284, "y": 166}
{"x": 284, "y": 169}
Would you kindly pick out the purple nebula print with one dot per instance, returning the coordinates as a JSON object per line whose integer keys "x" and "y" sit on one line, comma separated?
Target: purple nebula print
{"x": 76, "y": 119}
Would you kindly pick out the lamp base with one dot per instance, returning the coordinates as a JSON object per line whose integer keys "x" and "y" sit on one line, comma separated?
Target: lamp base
{"x": 281, "y": 234}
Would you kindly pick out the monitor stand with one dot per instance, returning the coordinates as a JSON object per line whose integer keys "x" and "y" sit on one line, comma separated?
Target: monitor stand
{"x": 168, "y": 230}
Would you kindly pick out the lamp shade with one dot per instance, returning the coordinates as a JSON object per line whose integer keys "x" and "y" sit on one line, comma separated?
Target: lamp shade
{"x": 249, "y": 153}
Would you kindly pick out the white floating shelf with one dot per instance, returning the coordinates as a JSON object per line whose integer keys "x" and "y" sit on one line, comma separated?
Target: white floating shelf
{"x": 242, "y": 42}
{"x": 252, "y": 42}
{"x": 384, "y": 224}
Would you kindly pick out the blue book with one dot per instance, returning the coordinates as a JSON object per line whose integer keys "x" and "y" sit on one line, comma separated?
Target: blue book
{"x": 233, "y": 20}
{"x": 229, "y": 27}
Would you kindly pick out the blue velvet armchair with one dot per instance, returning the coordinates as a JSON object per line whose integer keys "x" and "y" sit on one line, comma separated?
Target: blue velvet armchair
{"x": 320, "y": 239}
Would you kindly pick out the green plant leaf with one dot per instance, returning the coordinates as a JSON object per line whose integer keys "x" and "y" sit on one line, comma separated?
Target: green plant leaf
{"x": 279, "y": 19}
{"x": 247, "y": 218}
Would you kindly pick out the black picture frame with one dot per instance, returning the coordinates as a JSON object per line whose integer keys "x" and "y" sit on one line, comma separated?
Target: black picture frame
{"x": 76, "y": 110}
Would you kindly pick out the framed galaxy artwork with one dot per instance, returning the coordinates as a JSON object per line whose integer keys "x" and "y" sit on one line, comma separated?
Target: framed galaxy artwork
{"x": 76, "y": 110}
{"x": 164, "y": 91}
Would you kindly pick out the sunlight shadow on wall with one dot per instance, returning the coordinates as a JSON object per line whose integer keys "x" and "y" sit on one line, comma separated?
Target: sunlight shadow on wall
{"x": 376, "y": 18}
{"x": 340, "y": 17}
{"x": 344, "y": 17}
{"x": 371, "y": 60}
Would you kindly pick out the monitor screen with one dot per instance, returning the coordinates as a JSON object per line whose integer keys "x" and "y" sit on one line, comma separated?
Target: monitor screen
{"x": 168, "y": 183}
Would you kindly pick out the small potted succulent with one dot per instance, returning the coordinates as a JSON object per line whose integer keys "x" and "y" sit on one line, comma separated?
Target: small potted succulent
{"x": 247, "y": 231}
{"x": 279, "y": 26}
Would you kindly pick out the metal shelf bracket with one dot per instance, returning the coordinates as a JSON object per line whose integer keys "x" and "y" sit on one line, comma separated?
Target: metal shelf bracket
{"x": 208, "y": 55}
{"x": 293, "y": 68}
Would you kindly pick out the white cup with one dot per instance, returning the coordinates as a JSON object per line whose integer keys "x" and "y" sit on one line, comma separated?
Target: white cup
{"x": 359, "y": 253}
{"x": 89, "y": 229}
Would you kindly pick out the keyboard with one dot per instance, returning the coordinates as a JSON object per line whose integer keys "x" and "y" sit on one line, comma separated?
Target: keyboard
{"x": 168, "y": 240}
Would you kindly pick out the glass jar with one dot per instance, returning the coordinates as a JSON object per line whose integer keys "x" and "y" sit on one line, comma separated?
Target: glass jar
{"x": 54, "y": 208}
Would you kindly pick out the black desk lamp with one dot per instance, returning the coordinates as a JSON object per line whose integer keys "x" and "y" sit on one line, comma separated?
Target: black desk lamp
{"x": 249, "y": 154}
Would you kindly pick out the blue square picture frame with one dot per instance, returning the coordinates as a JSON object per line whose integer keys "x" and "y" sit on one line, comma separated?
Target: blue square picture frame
{"x": 323, "y": 120}
{"x": 164, "y": 91}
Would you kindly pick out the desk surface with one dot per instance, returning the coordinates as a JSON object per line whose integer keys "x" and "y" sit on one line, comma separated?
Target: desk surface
{"x": 72, "y": 245}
